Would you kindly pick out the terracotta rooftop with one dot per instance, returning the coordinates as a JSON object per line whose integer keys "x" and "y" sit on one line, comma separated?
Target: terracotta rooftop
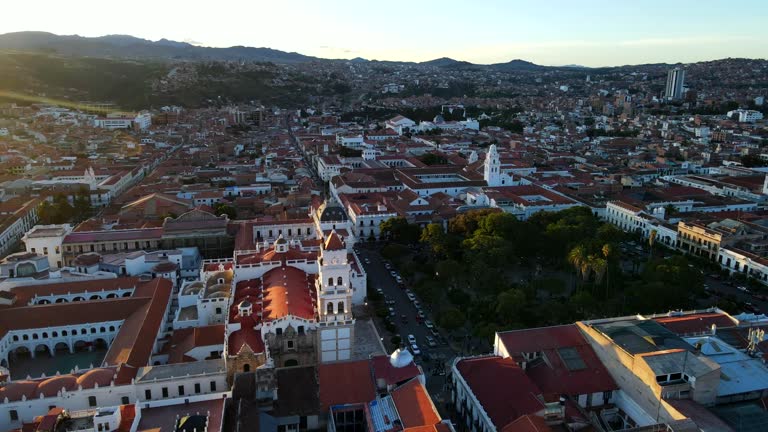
{"x": 501, "y": 387}
{"x": 414, "y": 405}
{"x": 345, "y": 383}
{"x": 333, "y": 242}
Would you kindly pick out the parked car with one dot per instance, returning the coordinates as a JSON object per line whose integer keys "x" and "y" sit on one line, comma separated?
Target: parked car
{"x": 392, "y": 311}
{"x": 415, "y": 349}
{"x": 434, "y": 331}
{"x": 417, "y": 304}
{"x": 429, "y": 324}
{"x": 742, "y": 288}
{"x": 410, "y": 296}
{"x": 431, "y": 341}
{"x": 411, "y": 339}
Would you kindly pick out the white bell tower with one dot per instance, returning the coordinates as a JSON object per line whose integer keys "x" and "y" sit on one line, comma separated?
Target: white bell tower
{"x": 334, "y": 302}
{"x": 765, "y": 185}
{"x": 492, "y": 167}
{"x": 334, "y": 297}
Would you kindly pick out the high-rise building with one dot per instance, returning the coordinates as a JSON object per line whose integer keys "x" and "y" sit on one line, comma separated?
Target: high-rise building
{"x": 675, "y": 83}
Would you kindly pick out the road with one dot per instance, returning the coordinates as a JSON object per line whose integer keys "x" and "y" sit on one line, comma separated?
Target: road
{"x": 440, "y": 355}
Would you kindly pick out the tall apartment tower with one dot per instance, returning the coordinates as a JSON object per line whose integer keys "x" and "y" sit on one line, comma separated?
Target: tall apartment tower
{"x": 675, "y": 83}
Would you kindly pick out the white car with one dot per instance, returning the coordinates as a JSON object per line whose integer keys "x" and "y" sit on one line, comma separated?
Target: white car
{"x": 429, "y": 324}
{"x": 411, "y": 297}
{"x": 415, "y": 349}
{"x": 411, "y": 339}
{"x": 431, "y": 341}
{"x": 417, "y": 304}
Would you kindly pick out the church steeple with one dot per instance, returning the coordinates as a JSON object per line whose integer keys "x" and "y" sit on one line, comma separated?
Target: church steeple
{"x": 492, "y": 167}
{"x": 334, "y": 299}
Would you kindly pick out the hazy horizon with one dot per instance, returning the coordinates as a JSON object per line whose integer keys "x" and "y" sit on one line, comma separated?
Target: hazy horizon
{"x": 591, "y": 33}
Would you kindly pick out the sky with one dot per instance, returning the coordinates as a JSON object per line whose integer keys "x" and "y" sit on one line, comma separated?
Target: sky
{"x": 547, "y": 32}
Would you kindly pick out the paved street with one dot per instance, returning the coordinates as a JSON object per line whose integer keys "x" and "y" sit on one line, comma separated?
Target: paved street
{"x": 380, "y": 277}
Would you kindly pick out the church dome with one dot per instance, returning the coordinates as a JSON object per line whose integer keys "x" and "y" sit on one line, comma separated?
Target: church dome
{"x": 331, "y": 211}
{"x": 401, "y": 358}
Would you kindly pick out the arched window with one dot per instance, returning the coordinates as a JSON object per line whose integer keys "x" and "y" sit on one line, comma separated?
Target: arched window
{"x": 102, "y": 330}
{"x": 111, "y": 328}
{"x": 93, "y": 329}
{"x": 45, "y": 335}
{"x": 63, "y": 332}
{"x": 329, "y": 308}
{"x": 330, "y": 281}
{"x": 54, "y": 334}
{"x": 83, "y": 331}
{"x": 15, "y": 338}
{"x": 246, "y": 367}
{"x": 25, "y": 337}
{"x": 340, "y": 307}
{"x": 34, "y": 336}
{"x": 339, "y": 281}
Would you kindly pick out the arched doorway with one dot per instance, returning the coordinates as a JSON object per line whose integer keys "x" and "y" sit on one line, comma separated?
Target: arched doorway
{"x": 95, "y": 297}
{"x": 246, "y": 367}
{"x": 21, "y": 353}
{"x": 81, "y": 346}
{"x": 61, "y": 347}
{"x": 43, "y": 301}
{"x": 78, "y": 299}
{"x": 100, "y": 344}
{"x": 291, "y": 362}
{"x": 42, "y": 350}
{"x": 111, "y": 295}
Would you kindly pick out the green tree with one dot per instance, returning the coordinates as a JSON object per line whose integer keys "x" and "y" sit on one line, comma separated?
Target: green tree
{"x": 398, "y": 229}
{"x": 82, "y": 208}
{"x": 435, "y": 237}
{"x": 451, "y": 319}
{"x": 509, "y": 304}
{"x": 579, "y": 259}
{"x": 63, "y": 210}
{"x": 224, "y": 209}
{"x": 46, "y": 213}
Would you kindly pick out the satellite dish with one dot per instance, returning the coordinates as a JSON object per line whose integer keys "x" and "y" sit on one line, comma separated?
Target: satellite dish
{"x": 401, "y": 358}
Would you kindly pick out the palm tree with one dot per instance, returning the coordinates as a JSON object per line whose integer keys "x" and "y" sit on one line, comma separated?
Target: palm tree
{"x": 651, "y": 241}
{"x": 607, "y": 254}
{"x": 599, "y": 266}
{"x": 577, "y": 257}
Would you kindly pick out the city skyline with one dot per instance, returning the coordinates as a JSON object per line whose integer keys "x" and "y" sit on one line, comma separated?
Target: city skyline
{"x": 483, "y": 33}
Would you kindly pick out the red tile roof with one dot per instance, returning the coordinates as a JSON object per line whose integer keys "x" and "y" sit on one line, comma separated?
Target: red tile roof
{"x": 26, "y": 293}
{"x": 135, "y": 341}
{"x": 695, "y": 323}
{"x": 501, "y": 387}
{"x": 527, "y": 423}
{"x": 333, "y": 242}
{"x": 414, "y": 405}
{"x": 555, "y": 376}
{"x": 345, "y": 383}
{"x": 185, "y": 340}
{"x": 246, "y": 337}
{"x": 287, "y": 291}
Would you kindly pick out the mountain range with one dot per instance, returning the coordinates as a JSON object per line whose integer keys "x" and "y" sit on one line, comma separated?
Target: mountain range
{"x": 123, "y": 46}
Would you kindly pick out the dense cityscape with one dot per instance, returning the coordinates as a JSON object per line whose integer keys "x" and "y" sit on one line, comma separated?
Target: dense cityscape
{"x": 241, "y": 239}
